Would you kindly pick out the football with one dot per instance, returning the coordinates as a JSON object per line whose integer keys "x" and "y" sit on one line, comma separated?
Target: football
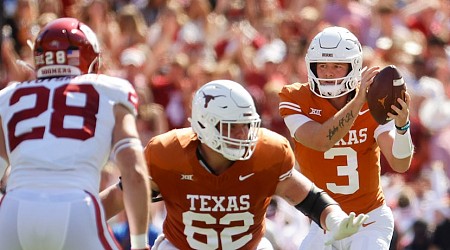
{"x": 387, "y": 86}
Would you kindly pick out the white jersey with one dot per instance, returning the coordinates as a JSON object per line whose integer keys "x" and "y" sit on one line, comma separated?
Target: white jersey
{"x": 58, "y": 131}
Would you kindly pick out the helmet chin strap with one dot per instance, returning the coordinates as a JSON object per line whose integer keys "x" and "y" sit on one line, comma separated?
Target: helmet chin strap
{"x": 95, "y": 64}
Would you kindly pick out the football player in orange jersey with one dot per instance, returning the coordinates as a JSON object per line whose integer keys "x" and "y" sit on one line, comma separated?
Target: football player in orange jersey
{"x": 218, "y": 176}
{"x": 338, "y": 143}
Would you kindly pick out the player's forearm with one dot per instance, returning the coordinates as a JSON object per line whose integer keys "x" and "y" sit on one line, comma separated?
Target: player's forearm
{"x": 135, "y": 183}
{"x": 136, "y": 198}
{"x": 401, "y": 165}
{"x": 112, "y": 200}
{"x": 338, "y": 126}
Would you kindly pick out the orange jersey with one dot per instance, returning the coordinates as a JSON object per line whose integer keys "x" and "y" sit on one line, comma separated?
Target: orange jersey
{"x": 206, "y": 211}
{"x": 350, "y": 170}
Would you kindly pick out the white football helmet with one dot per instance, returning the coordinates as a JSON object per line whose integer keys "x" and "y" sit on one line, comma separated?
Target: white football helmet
{"x": 218, "y": 105}
{"x": 339, "y": 45}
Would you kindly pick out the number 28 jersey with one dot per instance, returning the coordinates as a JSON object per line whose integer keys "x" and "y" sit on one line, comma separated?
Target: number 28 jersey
{"x": 58, "y": 131}
{"x": 349, "y": 171}
{"x": 207, "y": 211}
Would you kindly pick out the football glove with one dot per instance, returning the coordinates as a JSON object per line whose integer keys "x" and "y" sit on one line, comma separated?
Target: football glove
{"x": 342, "y": 225}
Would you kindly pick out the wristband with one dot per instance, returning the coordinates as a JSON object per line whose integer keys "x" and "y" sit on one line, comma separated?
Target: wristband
{"x": 402, "y": 146}
{"x": 403, "y": 128}
{"x": 139, "y": 241}
{"x": 315, "y": 202}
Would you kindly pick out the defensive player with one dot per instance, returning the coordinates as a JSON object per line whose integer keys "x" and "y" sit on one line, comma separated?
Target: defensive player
{"x": 338, "y": 143}
{"x": 217, "y": 177}
{"x": 57, "y": 133}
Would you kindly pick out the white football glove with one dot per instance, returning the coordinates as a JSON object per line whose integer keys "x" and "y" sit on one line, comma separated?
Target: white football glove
{"x": 342, "y": 225}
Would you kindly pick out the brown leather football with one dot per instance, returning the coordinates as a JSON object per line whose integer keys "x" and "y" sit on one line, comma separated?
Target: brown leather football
{"x": 387, "y": 86}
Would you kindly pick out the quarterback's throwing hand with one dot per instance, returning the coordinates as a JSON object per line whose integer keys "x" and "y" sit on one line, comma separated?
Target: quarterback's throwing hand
{"x": 342, "y": 226}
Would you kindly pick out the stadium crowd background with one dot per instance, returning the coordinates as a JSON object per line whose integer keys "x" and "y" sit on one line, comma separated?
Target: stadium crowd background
{"x": 168, "y": 48}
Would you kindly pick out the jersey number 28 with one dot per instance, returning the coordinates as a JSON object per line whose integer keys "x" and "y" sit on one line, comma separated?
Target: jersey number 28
{"x": 60, "y": 109}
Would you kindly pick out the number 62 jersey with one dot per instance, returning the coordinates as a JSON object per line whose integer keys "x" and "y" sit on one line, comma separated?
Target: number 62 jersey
{"x": 58, "y": 131}
{"x": 207, "y": 211}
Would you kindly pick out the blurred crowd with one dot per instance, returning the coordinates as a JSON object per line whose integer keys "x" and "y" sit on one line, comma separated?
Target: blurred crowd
{"x": 168, "y": 48}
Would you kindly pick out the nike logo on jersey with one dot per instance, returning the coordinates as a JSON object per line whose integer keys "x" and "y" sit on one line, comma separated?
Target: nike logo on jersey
{"x": 243, "y": 177}
{"x": 363, "y": 112}
{"x": 367, "y": 224}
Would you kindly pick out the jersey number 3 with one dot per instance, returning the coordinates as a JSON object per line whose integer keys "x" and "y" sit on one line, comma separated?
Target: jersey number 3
{"x": 60, "y": 109}
{"x": 350, "y": 170}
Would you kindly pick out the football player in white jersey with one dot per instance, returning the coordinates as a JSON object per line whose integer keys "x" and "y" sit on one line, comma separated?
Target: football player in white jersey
{"x": 57, "y": 132}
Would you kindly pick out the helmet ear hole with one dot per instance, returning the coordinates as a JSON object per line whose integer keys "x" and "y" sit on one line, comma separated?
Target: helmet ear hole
{"x": 214, "y": 144}
{"x": 212, "y": 120}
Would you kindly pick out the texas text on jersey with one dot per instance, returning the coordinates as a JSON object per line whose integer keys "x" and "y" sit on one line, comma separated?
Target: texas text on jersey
{"x": 210, "y": 211}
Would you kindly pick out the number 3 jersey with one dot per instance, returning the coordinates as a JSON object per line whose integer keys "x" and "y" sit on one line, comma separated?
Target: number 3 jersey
{"x": 349, "y": 171}
{"x": 207, "y": 211}
{"x": 58, "y": 131}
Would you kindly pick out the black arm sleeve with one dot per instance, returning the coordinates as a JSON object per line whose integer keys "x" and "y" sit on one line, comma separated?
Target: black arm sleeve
{"x": 314, "y": 204}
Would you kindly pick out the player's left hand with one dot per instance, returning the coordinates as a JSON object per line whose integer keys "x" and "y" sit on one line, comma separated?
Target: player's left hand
{"x": 346, "y": 227}
{"x": 402, "y": 116}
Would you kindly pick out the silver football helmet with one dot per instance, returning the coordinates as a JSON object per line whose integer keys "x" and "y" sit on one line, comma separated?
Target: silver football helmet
{"x": 217, "y": 106}
{"x": 338, "y": 45}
